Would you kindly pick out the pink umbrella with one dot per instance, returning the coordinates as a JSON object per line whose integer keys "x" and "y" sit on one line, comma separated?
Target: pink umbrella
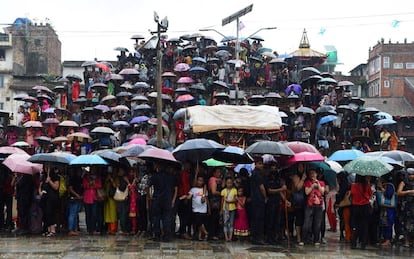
{"x": 184, "y": 98}
{"x": 33, "y": 124}
{"x": 299, "y": 146}
{"x": 185, "y": 80}
{"x": 181, "y": 67}
{"x": 168, "y": 74}
{"x": 158, "y": 155}
{"x": 5, "y": 150}
{"x": 306, "y": 157}
{"x": 18, "y": 163}
{"x": 139, "y": 135}
{"x": 138, "y": 141}
{"x": 51, "y": 121}
{"x": 42, "y": 88}
{"x": 129, "y": 71}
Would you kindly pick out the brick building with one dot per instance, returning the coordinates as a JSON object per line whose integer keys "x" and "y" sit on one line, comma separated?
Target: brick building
{"x": 28, "y": 53}
{"x": 388, "y": 66}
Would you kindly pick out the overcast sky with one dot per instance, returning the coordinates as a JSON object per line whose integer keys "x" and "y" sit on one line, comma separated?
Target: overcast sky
{"x": 91, "y": 29}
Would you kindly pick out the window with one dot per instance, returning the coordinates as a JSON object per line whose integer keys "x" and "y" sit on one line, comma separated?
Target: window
{"x": 386, "y": 62}
{"x": 38, "y": 43}
{"x": 386, "y": 83}
{"x": 1, "y": 81}
{"x": 398, "y": 66}
{"x": 409, "y": 65}
{"x": 1, "y": 106}
{"x": 2, "y": 54}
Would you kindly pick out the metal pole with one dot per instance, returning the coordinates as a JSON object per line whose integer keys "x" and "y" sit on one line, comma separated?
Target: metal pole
{"x": 159, "y": 90}
{"x": 236, "y": 72}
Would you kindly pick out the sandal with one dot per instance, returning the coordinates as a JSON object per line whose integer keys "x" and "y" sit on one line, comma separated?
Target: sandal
{"x": 51, "y": 234}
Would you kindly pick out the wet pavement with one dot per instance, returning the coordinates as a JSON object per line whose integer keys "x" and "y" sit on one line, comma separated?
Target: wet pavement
{"x": 120, "y": 246}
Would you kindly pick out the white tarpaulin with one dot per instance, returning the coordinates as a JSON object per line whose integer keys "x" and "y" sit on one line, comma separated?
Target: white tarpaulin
{"x": 225, "y": 117}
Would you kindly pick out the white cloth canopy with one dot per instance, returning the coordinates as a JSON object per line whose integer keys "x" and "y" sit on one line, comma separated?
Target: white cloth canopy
{"x": 225, "y": 117}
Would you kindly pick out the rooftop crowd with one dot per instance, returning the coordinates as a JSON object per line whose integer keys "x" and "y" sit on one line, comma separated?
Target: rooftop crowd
{"x": 265, "y": 203}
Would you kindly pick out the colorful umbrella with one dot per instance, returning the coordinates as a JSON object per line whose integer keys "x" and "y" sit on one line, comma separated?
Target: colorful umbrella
{"x": 85, "y": 160}
{"x": 368, "y": 165}
{"x": 139, "y": 119}
{"x": 345, "y": 155}
{"x": 305, "y": 157}
{"x": 184, "y": 98}
{"x": 295, "y": 88}
{"x": 185, "y": 80}
{"x": 211, "y": 162}
{"x": 299, "y": 146}
{"x": 159, "y": 156}
{"x": 18, "y": 163}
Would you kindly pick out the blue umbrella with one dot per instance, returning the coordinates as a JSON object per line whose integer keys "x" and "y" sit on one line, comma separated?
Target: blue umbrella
{"x": 85, "y": 160}
{"x": 346, "y": 155}
{"x": 120, "y": 124}
{"x": 198, "y": 69}
{"x": 200, "y": 59}
{"x": 248, "y": 167}
{"x": 297, "y": 89}
{"x": 54, "y": 157}
{"x": 228, "y": 38}
{"x": 139, "y": 119}
{"x": 326, "y": 119}
{"x": 383, "y": 115}
{"x": 384, "y": 122}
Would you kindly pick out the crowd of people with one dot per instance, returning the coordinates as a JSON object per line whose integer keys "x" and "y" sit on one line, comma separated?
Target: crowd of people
{"x": 267, "y": 205}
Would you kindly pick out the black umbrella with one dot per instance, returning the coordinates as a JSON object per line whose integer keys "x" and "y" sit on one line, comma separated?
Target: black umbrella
{"x": 134, "y": 150}
{"x": 196, "y": 150}
{"x": 233, "y": 155}
{"x": 269, "y": 147}
{"x": 73, "y": 77}
{"x": 108, "y": 155}
{"x": 325, "y": 108}
{"x": 54, "y": 157}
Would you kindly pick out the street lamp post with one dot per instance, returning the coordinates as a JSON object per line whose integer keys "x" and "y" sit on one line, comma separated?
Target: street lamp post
{"x": 161, "y": 27}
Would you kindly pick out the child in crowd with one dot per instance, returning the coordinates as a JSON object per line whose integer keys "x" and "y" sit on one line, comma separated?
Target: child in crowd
{"x": 228, "y": 208}
{"x": 241, "y": 223}
{"x": 200, "y": 207}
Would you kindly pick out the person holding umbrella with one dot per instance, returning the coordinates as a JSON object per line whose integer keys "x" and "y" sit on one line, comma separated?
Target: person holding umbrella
{"x": 49, "y": 191}
{"x": 361, "y": 193}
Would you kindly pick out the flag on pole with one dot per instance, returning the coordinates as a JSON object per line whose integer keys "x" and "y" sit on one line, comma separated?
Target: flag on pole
{"x": 241, "y": 26}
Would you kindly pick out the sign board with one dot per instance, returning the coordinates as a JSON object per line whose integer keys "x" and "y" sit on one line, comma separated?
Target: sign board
{"x": 236, "y": 15}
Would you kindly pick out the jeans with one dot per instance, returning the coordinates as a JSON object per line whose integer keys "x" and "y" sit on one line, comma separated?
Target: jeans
{"x": 228, "y": 223}
{"x": 312, "y": 224}
{"x": 73, "y": 210}
{"x": 122, "y": 209}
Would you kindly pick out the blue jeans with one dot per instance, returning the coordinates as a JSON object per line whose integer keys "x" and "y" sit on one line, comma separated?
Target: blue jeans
{"x": 73, "y": 210}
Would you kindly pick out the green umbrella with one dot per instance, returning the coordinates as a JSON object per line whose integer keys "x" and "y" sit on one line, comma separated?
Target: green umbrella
{"x": 328, "y": 172}
{"x": 215, "y": 163}
{"x": 368, "y": 165}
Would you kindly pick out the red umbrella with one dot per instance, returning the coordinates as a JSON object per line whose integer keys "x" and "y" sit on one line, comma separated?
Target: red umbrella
{"x": 305, "y": 157}
{"x": 103, "y": 66}
{"x": 299, "y": 146}
{"x": 184, "y": 98}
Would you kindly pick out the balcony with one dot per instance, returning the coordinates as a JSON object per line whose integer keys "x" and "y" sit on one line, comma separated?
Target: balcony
{"x": 5, "y": 40}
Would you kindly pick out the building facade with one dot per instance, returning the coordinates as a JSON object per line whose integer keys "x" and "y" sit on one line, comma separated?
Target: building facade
{"x": 28, "y": 54}
{"x": 388, "y": 66}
